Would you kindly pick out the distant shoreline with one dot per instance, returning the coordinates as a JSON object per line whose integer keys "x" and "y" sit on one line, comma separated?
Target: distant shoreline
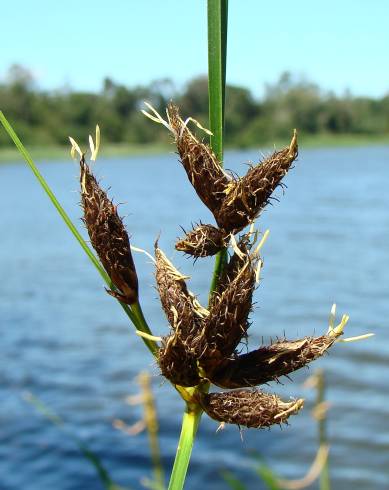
{"x": 9, "y": 154}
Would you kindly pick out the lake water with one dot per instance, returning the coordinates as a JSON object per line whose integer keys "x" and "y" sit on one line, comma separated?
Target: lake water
{"x": 66, "y": 341}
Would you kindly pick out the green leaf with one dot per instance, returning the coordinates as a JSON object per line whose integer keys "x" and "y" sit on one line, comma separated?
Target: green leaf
{"x": 233, "y": 481}
{"x": 88, "y": 454}
{"x": 217, "y": 53}
{"x": 135, "y": 316}
{"x": 268, "y": 476}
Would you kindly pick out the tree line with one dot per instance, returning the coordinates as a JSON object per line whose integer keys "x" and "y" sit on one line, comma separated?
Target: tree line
{"x": 47, "y": 117}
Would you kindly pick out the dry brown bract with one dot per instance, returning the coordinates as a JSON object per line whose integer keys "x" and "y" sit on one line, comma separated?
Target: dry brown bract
{"x": 108, "y": 237}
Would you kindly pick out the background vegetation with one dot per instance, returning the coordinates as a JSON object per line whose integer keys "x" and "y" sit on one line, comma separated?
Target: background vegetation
{"x": 43, "y": 118}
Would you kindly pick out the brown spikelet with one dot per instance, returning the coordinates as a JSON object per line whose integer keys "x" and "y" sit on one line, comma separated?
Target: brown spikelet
{"x": 203, "y": 241}
{"x": 108, "y": 237}
{"x": 200, "y": 163}
{"x": 234, "y": 266}
{"x": 248, "y": 408}
{"x": 227, "y": 322}
{"x": 248, "y": 195}
{"x": 177, "y": 362}
{"x": 268, "y": 363}
{"x": 181, "y": 307}
{"x": 177, "y": 358}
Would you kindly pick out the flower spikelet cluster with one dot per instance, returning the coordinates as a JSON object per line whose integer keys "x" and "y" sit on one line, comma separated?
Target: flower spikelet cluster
{"x": 205, "y": 345}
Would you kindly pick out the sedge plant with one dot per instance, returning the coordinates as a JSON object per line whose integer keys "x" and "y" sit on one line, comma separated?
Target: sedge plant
{"x": 202, "y": 347}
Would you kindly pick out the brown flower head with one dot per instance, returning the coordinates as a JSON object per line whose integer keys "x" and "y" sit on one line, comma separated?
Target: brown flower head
{"x": 268, "y": 363}
{"x": 248, "y": 408}
{"x": 200, "y": 163}
{"x": 247, "y": 196}
{"x": 108, "y": 236}
{"x": 227, "y": 322}
{"x": 182, "y": 309}
{"x": 177, "y": 358}
{"x": 177, "y": 361}
{"x": 203, "y": 241}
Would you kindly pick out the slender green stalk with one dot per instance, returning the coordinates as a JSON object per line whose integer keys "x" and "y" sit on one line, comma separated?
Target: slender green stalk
{"x": 217, "y": 51}
{"x": 136, "y": 316}
{"x": 190, "y": 423}
{"x": 325, "y": 483}
{"x": 142, "y": 325}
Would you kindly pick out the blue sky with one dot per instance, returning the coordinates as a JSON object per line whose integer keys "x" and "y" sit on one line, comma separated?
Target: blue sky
{"x": 338, "y": 44}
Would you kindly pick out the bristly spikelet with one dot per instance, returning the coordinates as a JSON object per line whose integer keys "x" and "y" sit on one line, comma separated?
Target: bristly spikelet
{"x": 177, "y": 358}
{"x": 200, "y": 163}
{"x": 248, "y": 195}
{"x": 227, "y": 322}
{"x": 268, "y": 363}
{"x": 203, "y": 241}
{"x": 234, "y": 266}
{"x": 108, "y": 237}
{"x": 177, "y": 363}
{"x": 182, "y": 309}
{"x": 248, "y": 408}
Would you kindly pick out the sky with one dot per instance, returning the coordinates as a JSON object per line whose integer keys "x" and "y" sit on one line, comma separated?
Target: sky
{"x": 339, "y": 44}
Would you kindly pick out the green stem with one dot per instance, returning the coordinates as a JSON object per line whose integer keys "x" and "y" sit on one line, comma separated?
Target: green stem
{"x": 136, "y": 316}
{"x": 190, "y": 423}
{"x": 220, "y": 261}
{"x": 217, "y": 51}
{"x": 142, "y": 325}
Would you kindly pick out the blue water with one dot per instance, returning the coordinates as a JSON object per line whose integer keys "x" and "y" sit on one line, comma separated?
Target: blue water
{"x": 66, "y": 341}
